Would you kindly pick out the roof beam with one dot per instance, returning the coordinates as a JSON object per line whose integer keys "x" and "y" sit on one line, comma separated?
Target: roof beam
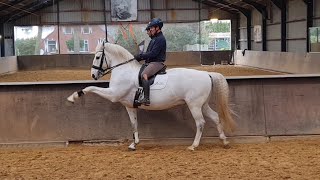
{"x": 278, "y": 3}
{"x": 261, "y": 8}
{"x": 244, "y": 11}
{"x": 33, "y": 7}
{"x": 18, "y": 11}
{"x": 209, "y": 3}
{"x": 5, "y": 6}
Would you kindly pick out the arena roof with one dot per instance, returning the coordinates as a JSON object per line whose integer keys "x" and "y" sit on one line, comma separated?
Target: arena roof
{"x": 11, "y": 10}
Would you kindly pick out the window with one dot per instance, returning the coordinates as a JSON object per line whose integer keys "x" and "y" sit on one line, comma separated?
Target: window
{"x": 68, "y": 30}
{"x": 217, "y": 34}
{"x": 79, "y": 41}
{"x": 86, "y": 30}
{"x": 314, "y": 37}
{"x": 84, "y": 46}
{"x": 52, "y": 46}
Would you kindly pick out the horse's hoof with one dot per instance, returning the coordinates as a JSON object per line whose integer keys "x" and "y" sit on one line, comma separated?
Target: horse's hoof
{"x": 70, "y": 99}
{"x": 191, "y": 148}
{"x": 69, "y": 103}
{"x": 132, "y": 147}
{"x": 225, "y": 142}
{"x": 227, "y": 146}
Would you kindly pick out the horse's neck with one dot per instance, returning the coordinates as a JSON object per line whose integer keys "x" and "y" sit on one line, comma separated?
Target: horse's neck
{"x": 125, "y": 69}
{"x": 121, "y": 57}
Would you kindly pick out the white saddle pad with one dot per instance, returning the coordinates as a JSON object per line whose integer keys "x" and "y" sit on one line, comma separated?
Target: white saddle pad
{"x": 160, "y": 82}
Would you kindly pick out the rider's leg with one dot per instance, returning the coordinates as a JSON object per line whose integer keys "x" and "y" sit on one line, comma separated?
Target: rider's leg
{"x": 146, "y": 89}
{"x": 149, "y": 71}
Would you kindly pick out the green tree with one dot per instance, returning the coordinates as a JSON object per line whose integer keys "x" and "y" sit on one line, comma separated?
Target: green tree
{"x": 208, "y": 27}
{"x": 219, "y": 27}
{"x": 25, "y": 46}
{"x": 70, "y": 44}
{"x": 179, "y": 36}
{"x": 129, "y": 40}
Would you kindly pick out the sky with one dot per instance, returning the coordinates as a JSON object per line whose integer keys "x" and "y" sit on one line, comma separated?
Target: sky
{"x": 25, "y": 32}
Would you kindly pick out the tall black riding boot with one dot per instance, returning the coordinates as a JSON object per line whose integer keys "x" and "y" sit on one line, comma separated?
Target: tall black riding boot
{"x": 146, "y": 90}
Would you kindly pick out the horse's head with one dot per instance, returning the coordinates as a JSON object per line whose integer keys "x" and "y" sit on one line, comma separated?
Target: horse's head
{"x": 107, "y": 57}
{"x": 100, "y": 63}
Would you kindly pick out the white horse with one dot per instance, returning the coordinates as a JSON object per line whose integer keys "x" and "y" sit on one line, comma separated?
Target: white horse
{"x": 184, "y": 86}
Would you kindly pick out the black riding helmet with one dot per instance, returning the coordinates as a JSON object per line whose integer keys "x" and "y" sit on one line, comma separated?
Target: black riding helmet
{"x": 155, "y": 22}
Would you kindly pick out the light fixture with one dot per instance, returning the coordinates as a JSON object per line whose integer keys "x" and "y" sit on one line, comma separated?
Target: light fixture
{"x": 214, "y": 20}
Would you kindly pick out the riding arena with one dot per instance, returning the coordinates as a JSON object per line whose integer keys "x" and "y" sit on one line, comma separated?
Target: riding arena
{"x": 250, "y": 111}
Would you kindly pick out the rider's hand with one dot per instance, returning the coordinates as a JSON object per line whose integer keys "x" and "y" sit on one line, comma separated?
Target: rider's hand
{"x": 138, "y": 57}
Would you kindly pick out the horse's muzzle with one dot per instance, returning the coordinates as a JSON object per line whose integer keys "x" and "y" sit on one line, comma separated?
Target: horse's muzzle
{"x": 94, "y": 77}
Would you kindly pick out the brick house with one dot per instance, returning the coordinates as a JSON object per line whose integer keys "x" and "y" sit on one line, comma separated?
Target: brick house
{"x": 73, "y": 39}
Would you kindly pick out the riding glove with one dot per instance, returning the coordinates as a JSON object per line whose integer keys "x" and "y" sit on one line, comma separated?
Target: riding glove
{"x": 138, "y": 57}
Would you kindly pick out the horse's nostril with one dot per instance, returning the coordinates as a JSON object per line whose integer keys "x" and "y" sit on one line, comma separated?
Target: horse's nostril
{"x": 93, "y": 76}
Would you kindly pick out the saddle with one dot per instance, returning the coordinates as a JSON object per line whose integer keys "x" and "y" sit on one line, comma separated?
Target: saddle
{"x": 151, "y": 79}
{"x": 139, "y": 93}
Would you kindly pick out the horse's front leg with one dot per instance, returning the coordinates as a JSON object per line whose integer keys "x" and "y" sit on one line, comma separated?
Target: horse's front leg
{"x": 108, "y": 93}
{"x": 75, "y": 96}
{"x": 134, "y": 123}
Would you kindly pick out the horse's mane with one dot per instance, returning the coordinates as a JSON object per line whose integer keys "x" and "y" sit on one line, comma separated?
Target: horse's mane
{"x": 118, "y": 51}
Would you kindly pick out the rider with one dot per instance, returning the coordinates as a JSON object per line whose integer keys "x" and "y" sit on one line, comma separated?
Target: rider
{"x": 154, "y": 57}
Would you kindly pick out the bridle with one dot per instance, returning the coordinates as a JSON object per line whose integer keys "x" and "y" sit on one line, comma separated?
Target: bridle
{"x": 102, "y": 58}
{"x": 108, "y": 69}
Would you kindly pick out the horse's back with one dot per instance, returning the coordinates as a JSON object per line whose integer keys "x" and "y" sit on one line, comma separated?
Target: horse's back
{"x": 184, "y": 82}
{"x": 188, "y": 75}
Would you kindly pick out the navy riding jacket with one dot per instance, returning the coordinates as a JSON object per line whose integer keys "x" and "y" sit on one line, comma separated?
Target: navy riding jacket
{"x": 156, "y": 51}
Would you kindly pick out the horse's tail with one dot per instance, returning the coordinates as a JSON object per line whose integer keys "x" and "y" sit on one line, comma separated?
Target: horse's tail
{"x": 220, "y": 90}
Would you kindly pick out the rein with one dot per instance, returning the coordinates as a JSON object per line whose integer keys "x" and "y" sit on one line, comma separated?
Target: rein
{"x": 109, "y": 69}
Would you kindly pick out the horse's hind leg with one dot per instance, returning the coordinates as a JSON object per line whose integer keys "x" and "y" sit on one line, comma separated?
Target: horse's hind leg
{"x": 198, "y": 117}
{"x": 212, "y": 115}
{"x": 132, "y": 112}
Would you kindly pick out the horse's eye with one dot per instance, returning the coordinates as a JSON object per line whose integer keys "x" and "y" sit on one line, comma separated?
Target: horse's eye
{"x": 97, "y": 57}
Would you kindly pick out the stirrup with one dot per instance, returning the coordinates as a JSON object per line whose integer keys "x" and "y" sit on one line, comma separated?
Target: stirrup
{"x": 145, "y": 101}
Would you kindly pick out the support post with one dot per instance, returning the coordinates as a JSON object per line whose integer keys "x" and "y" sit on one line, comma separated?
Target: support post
{"x": 282, "y": 5}
{"x": 263, "y": 11}
{"x": 309, "y": 4}
{"x": 2, "y": 39}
